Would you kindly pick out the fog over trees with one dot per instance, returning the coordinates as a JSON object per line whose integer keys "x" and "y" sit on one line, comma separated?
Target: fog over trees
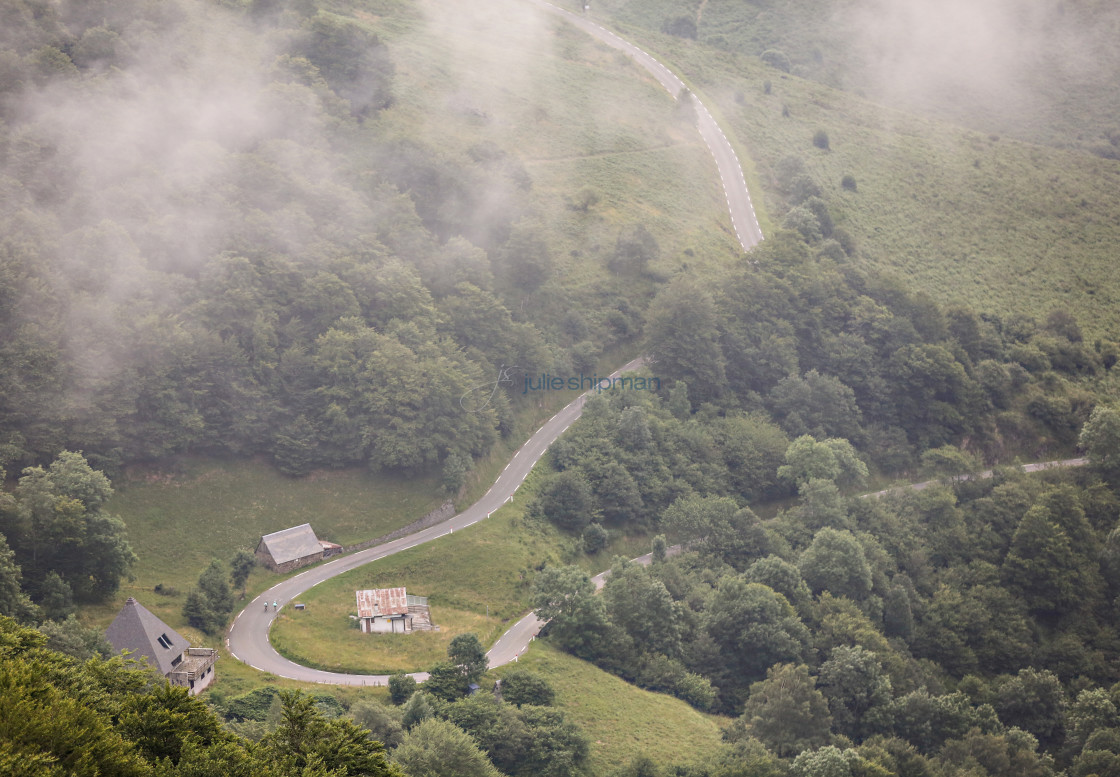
{"x": 212, "y": 244}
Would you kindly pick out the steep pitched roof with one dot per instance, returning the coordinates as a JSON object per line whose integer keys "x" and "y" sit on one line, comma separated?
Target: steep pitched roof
{"x": 136, "y": 629}
{"x": 381, "y": 601}
{"x": 290, "y": 544}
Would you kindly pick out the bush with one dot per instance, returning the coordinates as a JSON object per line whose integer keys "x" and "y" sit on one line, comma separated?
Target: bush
{"x": 209, "y": 605}
{"x": 565, "y": 499}
{"x": 820, "y": 139}
{"x": 848, "y": 182}
{"x": 456, "y": 467}
{"x": 802, "y": 188}
{"x": 775, "y": 58}
{"x": 253, "y": 705}
{"x": 401, "y": 688}
{"x": 594, "y": 538}
{"x": 521, "y": 687}
{"x": 635, "y": 250}
{"x": 680, "y": 26}
{"x": 584, "y": 200}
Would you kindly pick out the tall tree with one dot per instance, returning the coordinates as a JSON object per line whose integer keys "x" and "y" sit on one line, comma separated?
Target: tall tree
{"x": 567, "y": 501}
{"x": 786, "y": 711}
{"x": 64, "y": 528}
{"x": 753, "y": 628}
{"x": 833, "y": 459}
{"x": 718, "y": 529}
{"x": 683, "y": 335}
{"x": 14, "y": 603}
{"x": 642, "y": 607}
{"x": 524, "y": 687}
{"x": 835, "y": 562}
{"x": 446, "y": 681}
{"x": 1035, "y": 701}
{"x": 307, "y": 740}
{"x": 240, "y": 568}
{"x": 351, "y": 59}
{"x": 854, "y": 683}
{"x": 1100, "y": 439}
{"x": 465, "y": 651}
{"x": 56, "y": 598}
{"x": 565, "y": 596}
{"x": 208, "y": 606}
{"x": 1041, "y": 566}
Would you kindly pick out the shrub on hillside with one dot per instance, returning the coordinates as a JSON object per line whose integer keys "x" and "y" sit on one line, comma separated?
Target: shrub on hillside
{"x": 775, "y": 58}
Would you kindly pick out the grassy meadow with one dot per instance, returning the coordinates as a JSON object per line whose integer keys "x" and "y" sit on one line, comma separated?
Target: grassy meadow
{"x": 302, "y": 635}
{"x": 476, "y": 580}
{"x": 180, "y": 518}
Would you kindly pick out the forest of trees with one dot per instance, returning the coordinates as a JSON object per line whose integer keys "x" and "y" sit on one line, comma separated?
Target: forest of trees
{"x": 293, "y": 280}
{"x": 968, "y": 625}
{"x": 278, "y": 275}
{"x": 63, "y": 716}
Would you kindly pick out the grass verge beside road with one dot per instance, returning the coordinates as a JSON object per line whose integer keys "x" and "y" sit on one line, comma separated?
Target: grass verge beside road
{"x": 622, "y": 721}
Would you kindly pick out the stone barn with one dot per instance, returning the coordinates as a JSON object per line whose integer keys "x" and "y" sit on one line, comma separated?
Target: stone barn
{"x": 283, "y": 551}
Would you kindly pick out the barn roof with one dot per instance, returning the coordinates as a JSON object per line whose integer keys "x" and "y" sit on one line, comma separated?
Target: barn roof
{"x": 137, "y": 630}
{"x": 382, "y": 601}
{"x": 291, "y": 544}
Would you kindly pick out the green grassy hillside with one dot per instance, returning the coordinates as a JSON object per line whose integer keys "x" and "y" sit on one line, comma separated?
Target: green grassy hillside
{"x": 1045, "y": 75}
{"x": 1005, "y": 226}
{"x": 623, "y": 722}
{"x": 577, "y": 115}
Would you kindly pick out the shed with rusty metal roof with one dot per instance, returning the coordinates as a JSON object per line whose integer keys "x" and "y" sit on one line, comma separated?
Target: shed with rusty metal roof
{"x": 384, "y": 610}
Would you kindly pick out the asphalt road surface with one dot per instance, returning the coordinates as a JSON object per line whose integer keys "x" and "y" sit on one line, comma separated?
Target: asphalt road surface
{"x": 743, "y": 218}
{"x": 247, "y": 639}
{"x": 1036, "y": 467}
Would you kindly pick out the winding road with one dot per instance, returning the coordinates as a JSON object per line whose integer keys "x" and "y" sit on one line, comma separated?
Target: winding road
{"x": 247, "y": 639}
{"x": 743, "y": 218}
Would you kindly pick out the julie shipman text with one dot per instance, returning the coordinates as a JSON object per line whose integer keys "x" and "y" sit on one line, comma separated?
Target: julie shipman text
{"x": 583, "y": 382}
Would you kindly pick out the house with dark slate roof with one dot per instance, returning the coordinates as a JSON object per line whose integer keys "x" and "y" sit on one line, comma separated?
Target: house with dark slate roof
{"x": 145, "y": 636}
{"x": 283, "y": 551}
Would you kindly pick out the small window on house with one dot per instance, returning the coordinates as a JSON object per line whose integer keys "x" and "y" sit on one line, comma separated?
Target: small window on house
{"x": 164, "y": 640}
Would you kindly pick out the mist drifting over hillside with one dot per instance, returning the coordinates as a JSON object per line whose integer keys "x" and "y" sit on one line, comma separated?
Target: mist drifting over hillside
{"x": 1042, "y": 71}
{"x": 1001, "y": 64}
{"x": 192, "y": 196}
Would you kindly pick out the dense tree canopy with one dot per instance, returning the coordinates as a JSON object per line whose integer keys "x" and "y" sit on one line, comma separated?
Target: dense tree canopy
{"x": 61, "y": 534}
{"x": 64, "y": 716}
